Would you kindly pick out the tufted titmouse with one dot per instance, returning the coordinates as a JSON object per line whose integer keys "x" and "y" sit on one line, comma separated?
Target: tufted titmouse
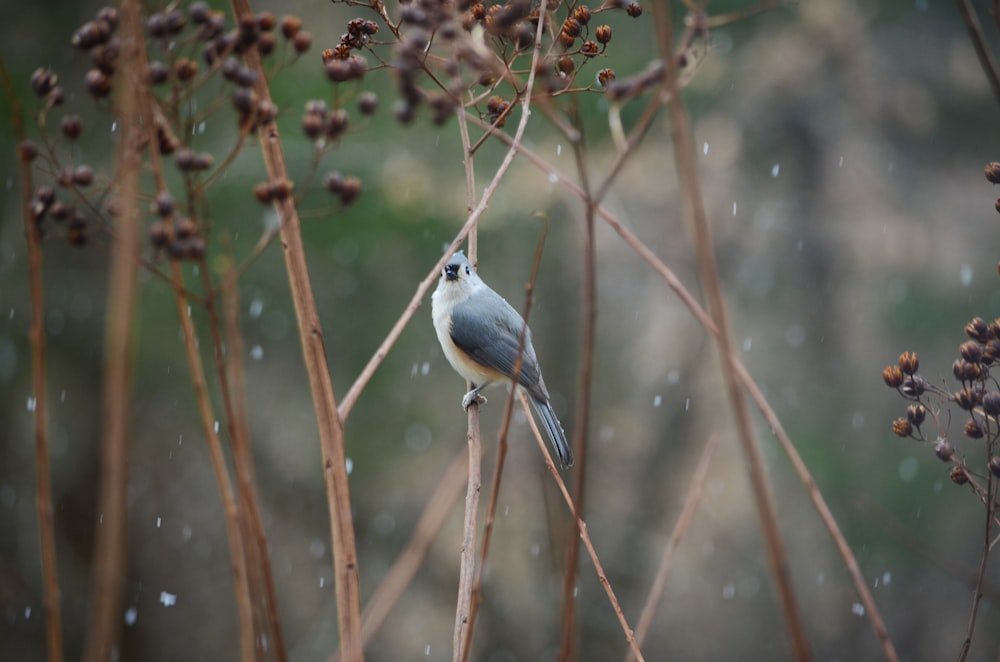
{"x": 480, "y": 335}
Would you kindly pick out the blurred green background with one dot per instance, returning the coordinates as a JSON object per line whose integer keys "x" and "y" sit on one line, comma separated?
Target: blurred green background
{"x": 841, "y": 147}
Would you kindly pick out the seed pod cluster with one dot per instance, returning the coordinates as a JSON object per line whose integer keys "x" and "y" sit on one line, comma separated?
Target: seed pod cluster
{"x": 977, "y": 397}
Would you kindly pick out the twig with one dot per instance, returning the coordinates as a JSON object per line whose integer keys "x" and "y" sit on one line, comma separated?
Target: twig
{"x": 691, "y": 501}
{"x": 107, "y": 586}
{"x": 977, "y": 591}
{"x": 329, "y": 423}
{"x": 491, "y": 510}
{"x": 241, "y": 585}
{"x": 43, "y": 473}
{"x": 986, "y": 60}
{"x": 584, "y": 535}
{"x": 695, "y": 210}
{"x": 401, "y": 573}
{"x": 467, "y": 563}
{"x": 254, "y": 536}
{"x": 588, "y": 330}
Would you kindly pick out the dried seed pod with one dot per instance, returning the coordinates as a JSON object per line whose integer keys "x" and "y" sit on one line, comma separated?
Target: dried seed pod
{"x": 902, "y": 427}
{"x": 302, "y": 41}
{"x": 43, "y": 80}
{"x": 634, "y": 9}
{"x": 90, "y": 34}
{"x": 27, "y": 151}
{"x": 164, "y": 204}
{"x": 971, "y": 351}
{"x": 185, "y": 228}
{"x": 978, "y": 330}
{"x": 581, "y": 13}
{"x": 367, "y": 103}
{"x": 312, "y": 125}
{"x": 916, "y": 414}
{"x": 56, "y": 96}
{"x": 909, "y": 363}
{"x": 991, "y": 403}
{"x": 350, "y": 190}
{"x": 290, "y": 26}
{"x": 175, "y": 21}
{"x": 965, "y": 399}
{"x": 199, "y": 12}
{"x": 58, "y": 210}
{"x": 913, "y": 386}
{"x": 893, "y": 376}
{"x": 565, "y": 65}
{"x": 185, "y": 69}
{"x": 333, "y": 182}
{"x": 958, "y": 475}
{"x": 266, "y": 112}
{"x": 603, "y": 34}
{"x": 262, "y": 191}
{"x": 157, "y": 73}
{"x": 336, "y": 123}
{"x": 159, "y": 234}
{"x": 266, "y": 21}
{"x": 72, "y": 126}
{"x": 266, "y": 43}
{"x": 156, "y": 25}
{"x": 98, "y": 83}
{"x": 83, "y": 175}
{"x": 605, "y": 76}
{"x": 943, "y": 450}
{"x": 590, "y": 48}
{"x": 992, "y": 173}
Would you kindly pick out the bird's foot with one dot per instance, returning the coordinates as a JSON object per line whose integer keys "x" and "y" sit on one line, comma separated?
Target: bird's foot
{"x": 473, "y": 396}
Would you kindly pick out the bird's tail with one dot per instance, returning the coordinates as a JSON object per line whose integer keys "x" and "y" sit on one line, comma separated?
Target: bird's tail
{"x": 555, "y": 431}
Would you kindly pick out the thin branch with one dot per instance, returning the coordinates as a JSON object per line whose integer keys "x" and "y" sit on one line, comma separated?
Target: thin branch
{"x": 477, "y": 588}
{"x": 986, "y": 60}
{"x": 467, "y": 563}
{"x": 584, "y": 534}
{"x": 254, "y": 535}
{"x": 588, "y": 330}
{"x": 403, "y": 570}
{"x": 977, "y": 591}
{"x": 329, "y": 423}
{"x": 52, "y": 597}
{"x": 691, "y": 501}
{"x": 760, "y": 487}
{"x": 241, "y": 583}
{"x": 108, "y": 582}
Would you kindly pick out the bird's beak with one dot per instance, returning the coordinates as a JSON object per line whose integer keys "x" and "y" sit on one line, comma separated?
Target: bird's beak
{"x": 451, "y": 271}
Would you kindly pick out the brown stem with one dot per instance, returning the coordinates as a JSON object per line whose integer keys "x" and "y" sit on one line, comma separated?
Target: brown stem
{"x": 237, "y": 554}
{"x": 52, "y": 597}
{"x": 977, "y": 591}
{"x": 477, "y": 587}
{"x": 691, "y": 500}
{"x": 586, "y": 365}
{"x": 986, "y": 60}
{"x": 467, "y": 564}
{"x": 584, "y": 534}
{"x": 331, "y": 431}
{"x": 410, "y": 559}
{"x": 695, "y": 210}
{"x": 254, "y": 536}
{"x": 108, "y": 582}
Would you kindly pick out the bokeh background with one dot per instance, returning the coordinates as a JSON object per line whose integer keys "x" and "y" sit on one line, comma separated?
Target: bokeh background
{"x": 841, "y": 147}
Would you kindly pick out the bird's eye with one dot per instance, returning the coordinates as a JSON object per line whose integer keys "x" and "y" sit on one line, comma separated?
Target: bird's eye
{"x": 467, "y": 270}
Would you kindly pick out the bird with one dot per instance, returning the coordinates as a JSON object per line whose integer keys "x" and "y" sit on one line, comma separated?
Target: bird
{"x": 480, "y": 334}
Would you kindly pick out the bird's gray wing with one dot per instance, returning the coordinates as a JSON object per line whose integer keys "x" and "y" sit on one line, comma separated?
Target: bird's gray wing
{"x": 488, "y": 329}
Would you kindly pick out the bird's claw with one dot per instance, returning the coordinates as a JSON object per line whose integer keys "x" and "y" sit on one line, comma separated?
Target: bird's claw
{"x": 472, "y": 396}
